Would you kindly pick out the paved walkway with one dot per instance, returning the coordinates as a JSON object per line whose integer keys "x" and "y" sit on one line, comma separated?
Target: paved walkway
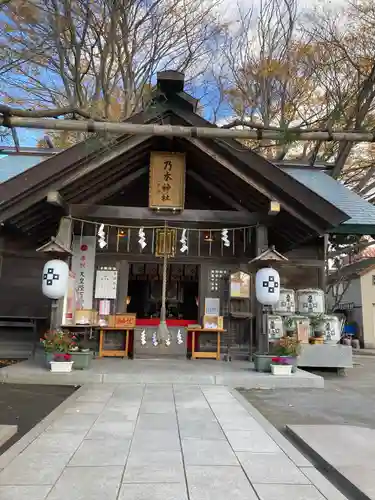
{"x": 158, "y": 371}
{"x": 157, "y": 442}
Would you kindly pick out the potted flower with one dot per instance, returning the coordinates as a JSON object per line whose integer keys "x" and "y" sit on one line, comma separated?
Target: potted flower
{"x": 290, "y": 326}
{"x": 288, "y": 348}
{"x": 61, "y": 363}
{"x": 80, "y": 355}
{"x": 317, "y": 327}
{"x": 281, "y": 366}
{"x": 54, "y": 342}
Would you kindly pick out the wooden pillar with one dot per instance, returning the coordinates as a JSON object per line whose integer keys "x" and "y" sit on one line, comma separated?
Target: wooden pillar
{"x": 261, "y": 245}
{"x": 324, "y": 268}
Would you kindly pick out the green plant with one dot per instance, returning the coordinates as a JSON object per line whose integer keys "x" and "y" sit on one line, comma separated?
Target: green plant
{"x": 56, "y": 341}
{"x": 316, "y": 325}
{"x": 290, "y": 324}
{"x": 287, "y": 346}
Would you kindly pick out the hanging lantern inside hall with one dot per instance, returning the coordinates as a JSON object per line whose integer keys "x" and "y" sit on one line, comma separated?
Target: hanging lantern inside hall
{"x": 267, "y": 286}
{"x": 55, "y": 279}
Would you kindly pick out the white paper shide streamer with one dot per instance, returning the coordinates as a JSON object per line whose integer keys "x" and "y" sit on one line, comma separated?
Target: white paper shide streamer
{"x": 143, "y": 337}
{"x": 224, "y": 237}
{"x": 184, "y": 246}
{"x": 142, "y": 238}
{"x": 102, "y": 242}
{"x": 155, "y": 341}
{"x": 180, "y": 340}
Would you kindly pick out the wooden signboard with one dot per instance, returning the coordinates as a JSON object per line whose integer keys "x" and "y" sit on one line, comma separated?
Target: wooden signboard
{"x": 167, "y": 181}
{"x": 170, "y": 243}
{"x": 125, "y": 321}
{"x": 303, "y": 332}
{"x": 240, "y": 285}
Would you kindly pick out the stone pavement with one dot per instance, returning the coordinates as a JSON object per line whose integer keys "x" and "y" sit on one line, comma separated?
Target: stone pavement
{"x": 348, "y": 451}
{"x": 160, "y": 371}
{"x": 157, "y": 442}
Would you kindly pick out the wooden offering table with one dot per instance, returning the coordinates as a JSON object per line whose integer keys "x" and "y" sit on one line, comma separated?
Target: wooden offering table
{"x": 114, "y": 342}
{"x": 196, "y": 354}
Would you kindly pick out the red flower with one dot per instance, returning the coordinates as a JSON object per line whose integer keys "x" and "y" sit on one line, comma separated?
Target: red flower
{"x": 67, "y": 357}
{"x": 275, "y": 360}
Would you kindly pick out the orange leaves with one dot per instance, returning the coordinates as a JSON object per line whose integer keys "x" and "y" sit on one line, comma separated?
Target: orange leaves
{"x": 24, "y": 10}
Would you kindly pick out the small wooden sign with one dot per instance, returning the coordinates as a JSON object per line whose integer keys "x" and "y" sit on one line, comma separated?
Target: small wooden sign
{"x": 125, "y": 321}
{"x": 167, "y": 181}
{"x": 211, "y": 322}
{"x": 240, "y": 285}
{"x": 169, "y": 245}
{"x": 303, "y": 332}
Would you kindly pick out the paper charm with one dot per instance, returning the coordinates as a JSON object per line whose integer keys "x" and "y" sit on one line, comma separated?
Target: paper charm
{"x": 180, "y": 340}
{"x": 142, "y": 238}
{"x": 143, "y": 337}
{"x": 101, "y": 237}
{"x": 184, "y": 246}
{"x": 224, "y": 237}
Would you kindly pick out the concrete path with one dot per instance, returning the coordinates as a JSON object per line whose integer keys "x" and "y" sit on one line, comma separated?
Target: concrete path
{"x": 159, "y": 371}
{"x": 346, "y": 450}
{"x": 157, "y": 442}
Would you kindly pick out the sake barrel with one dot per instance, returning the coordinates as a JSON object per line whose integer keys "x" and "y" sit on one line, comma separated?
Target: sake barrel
{"x": 310, "y": 301}
{"x": 275, "y": 327}
{"x": 331, "y": 328}
{"x": 287, "y": 302}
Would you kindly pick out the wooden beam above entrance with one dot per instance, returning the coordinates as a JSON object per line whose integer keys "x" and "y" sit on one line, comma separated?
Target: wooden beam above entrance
{"x": 100, "y": 212}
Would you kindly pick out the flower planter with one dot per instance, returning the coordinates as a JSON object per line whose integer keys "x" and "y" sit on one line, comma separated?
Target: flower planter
{"x": 292, "y": 362}
{"x": 82, "y": 360}
{"x": 262, "y": 362}
{"x": 61, "y": 366}
{"x": 49, "y": 356}
{"x": 281, "y": 369}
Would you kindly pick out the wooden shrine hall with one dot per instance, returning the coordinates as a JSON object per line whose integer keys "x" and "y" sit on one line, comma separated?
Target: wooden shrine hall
{"x": 121, "y": 205}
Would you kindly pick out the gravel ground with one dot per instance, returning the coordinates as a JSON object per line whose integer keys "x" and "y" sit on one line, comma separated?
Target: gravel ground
{"x": 26, "y": 405}
{"x": 344, "y": 400}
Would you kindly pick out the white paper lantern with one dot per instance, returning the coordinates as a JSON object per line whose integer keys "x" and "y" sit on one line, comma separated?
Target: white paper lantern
{"x": 55, "y": 279}
{"x": 267, "y": 286}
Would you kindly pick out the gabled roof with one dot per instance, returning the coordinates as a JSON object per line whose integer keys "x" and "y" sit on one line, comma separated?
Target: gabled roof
{"x": 98, "y": 162}
{"x": 361, "y": 212}
{"x": 353, "y": 270}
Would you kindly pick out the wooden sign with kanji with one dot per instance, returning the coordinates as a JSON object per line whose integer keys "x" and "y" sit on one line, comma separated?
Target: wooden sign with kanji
{"x": 167, "y": 181}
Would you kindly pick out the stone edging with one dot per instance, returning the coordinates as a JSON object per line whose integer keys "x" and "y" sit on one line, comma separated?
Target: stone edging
{"x": 336, "y": 475}
{"x": 321, "y": 483}
{"x": 18, "y": 447}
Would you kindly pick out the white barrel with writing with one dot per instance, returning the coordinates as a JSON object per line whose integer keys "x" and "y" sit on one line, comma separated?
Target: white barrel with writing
{"x": 275, "y": 327}
{"x": 331, "y": 328}
{"x": 287, "y": 302}
{"x": 310, "y": 301}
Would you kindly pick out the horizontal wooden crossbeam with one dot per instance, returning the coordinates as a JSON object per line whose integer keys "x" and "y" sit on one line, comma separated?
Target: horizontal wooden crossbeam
{"x": 108, "y": 212}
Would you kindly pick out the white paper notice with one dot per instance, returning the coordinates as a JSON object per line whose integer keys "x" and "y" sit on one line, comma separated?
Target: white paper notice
{"x": 106, "y": 284}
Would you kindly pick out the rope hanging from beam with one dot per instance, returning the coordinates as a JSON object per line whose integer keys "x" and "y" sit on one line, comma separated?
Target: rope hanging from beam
{"x": 161, "y": 226}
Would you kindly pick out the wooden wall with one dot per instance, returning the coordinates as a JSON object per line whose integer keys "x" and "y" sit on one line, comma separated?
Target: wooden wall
{"x": 21, "y": 279}
{"x": 21, "y": 268}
